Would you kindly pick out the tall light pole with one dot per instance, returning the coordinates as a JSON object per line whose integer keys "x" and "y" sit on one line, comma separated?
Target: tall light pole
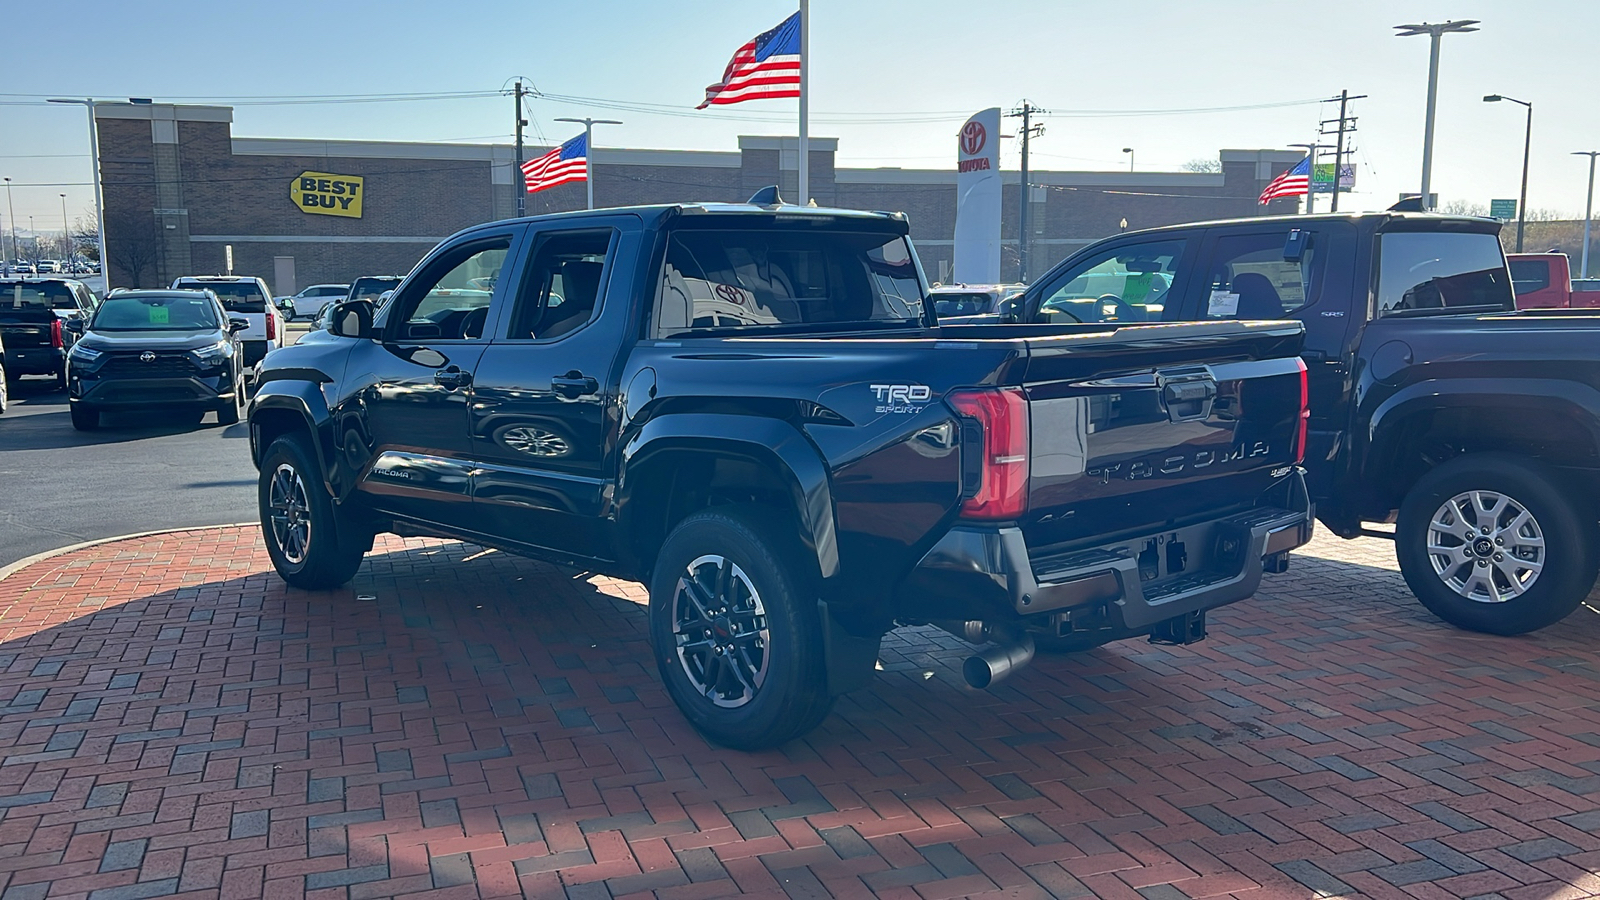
{"x": 1311, "y": 173}
{"x": 66, "y": 230}
{"x": 1588, "y": 209}
{"x": 99, "y": 202}
{"x": 11, "y": 211}
{"x": 1527, "y": 145}
{"x": 1435, "y": 32}
{"x": 588, "y": 150}
{"x": 1129, "y": 151}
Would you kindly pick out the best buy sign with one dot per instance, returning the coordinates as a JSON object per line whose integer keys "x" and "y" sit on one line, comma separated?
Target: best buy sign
{"x": 326, "y": 194}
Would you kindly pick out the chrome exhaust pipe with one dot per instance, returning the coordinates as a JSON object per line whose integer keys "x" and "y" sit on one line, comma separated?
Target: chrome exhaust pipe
{"x": 994, "y": 664}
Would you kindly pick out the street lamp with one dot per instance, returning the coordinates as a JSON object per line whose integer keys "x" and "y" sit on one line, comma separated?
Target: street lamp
{"x": 66, "y": 229}
{"x": 588, "y": 151}
{"x": 11, "y": 212}
{"x": 1434, "y": 32}
{"x": 99, "y": 204}
{"x": 1129, "y": 151}
{"x": 1527, "y": 144}
{"x": 1588, "y": 208}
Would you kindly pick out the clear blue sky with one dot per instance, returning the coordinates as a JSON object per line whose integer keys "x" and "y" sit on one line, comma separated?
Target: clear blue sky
{"x": 898, "y": 57}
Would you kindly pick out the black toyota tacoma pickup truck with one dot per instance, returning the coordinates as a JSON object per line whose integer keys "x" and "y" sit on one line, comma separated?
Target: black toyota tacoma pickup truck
{"x": 751, "y": 409}
{"x": 1435, "y": 404}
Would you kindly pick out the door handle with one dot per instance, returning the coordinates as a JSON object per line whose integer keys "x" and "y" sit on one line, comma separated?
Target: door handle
{"x": 452, "y": 377}
{"x": 574, "y": 384}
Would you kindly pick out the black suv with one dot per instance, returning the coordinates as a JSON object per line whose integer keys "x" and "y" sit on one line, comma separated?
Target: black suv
{"x": 33, "y": 317}
{"x": 144, "y": 349}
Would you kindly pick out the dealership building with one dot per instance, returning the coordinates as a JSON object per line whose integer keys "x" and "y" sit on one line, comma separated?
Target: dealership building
{"x": 182, "y": 194}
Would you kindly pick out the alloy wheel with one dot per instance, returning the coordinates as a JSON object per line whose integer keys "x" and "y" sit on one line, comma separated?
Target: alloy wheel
{"x": 290, "y": 512}
{"x": 1486, "y": 546}
{"x": 719, "y": 627}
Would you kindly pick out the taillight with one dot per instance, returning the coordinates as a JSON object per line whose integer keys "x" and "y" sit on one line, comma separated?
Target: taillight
{"x": 55, "y": 335}
{"x": 994, "y": 450}
{"x": 272, "y": 326}
{"x": 1305, "y": 415}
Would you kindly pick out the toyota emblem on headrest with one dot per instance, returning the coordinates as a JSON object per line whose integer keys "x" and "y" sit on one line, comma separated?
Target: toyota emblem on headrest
{"x": 147, "y": 356}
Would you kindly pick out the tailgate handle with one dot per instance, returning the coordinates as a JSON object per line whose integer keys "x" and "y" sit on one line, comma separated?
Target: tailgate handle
{"x": 1190, "y": 398}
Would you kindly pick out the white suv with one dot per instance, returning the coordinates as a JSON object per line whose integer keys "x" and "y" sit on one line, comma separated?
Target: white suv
{"x": 248, "y": 298}
{"x": 309, "y": 303}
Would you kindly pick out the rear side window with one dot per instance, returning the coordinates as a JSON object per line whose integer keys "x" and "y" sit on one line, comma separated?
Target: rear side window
{"x": 236, "y": 296}
{"x": 1442, "y": 270}
{"x": 561, "y": 290}
{"x": 1250, "y": 279}
{"x": 1529, "y": 275}
{"x": 38, "y": 295}
{"x": 776, "y": 278}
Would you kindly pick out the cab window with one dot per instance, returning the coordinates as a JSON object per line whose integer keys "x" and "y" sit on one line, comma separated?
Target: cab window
{"x": 1248, "y": 277}
{"x": 451, "y": 303}
{"x": 561, "y": 290}
{"x": 1131, "y": 283}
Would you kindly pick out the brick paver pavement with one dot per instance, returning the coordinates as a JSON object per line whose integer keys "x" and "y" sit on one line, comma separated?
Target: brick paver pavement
{"x": 175, "y": 721}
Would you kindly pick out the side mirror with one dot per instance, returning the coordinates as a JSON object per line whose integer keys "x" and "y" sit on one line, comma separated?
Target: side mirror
{"x": 237, "y": 325}
{"x": 352, "y": 318}
{"x": 74, "y": 324}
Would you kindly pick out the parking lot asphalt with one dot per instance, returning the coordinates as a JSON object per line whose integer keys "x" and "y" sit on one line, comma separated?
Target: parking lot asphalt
{"x": 175, "y": 720}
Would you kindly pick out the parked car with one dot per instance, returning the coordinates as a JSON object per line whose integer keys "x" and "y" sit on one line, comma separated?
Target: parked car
{"x": 153, "y": 349}
{"x": 952, "y": 302}
{"x": 797, "y": 474}
{"x": 33, "y": 313}
{"x": 309, "y": 303}
{"x": 1434, "y": 403}
{"x": 1544, "y": 281}
{"x": 248, "y": 298}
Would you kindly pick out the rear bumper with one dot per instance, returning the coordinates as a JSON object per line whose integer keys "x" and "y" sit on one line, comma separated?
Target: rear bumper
{"x": 35, "y": 360}
{"x": 1117, "y": 590}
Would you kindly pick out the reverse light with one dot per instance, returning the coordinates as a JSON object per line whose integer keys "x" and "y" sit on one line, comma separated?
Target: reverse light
{"x": 1300, "y": 436}
{"x": 994, "y": 452}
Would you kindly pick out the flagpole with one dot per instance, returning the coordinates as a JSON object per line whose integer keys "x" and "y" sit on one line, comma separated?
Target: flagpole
{"x": 805, "y": 61}
{"x": 588, "y": 152}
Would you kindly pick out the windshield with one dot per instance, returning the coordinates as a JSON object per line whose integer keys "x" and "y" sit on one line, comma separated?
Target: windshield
{"x": 1442, "y": 270}
{"x": 236, "y": 296}
{"x": 371, "y": 288}
{"x": 971, "y": 303}
{"x": 37, "y": 295}
{"x": 155, "y": 313}
{"x": 774, "y": 278}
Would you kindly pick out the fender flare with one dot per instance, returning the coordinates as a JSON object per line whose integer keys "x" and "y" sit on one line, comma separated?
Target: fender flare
{"x": 1566, "y": 398}
{"x": 303, "y": 399}
{"x": 770, "y": 442}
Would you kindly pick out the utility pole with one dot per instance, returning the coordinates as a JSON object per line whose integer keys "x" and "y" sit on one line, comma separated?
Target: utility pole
{"x": 1029, "y": 130}
{"x": 1311, "y": 172}
{"x": 1588, "y": 209}
{"x": 1346, "y": 124}
{"x": 521, "y": 181}
{"x": 588, "y": 151}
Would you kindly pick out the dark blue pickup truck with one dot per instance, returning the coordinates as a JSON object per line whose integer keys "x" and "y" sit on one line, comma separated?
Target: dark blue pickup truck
{"x": 752, "y": 409}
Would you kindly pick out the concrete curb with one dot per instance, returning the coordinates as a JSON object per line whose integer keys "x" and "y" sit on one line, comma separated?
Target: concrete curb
{"x": 19, "y": 565}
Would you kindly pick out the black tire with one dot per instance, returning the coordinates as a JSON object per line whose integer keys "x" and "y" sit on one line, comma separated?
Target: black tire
{"x": 308, "y": 543}
{"x": 1461, "y": 579}
{"x": 61, "y": 377}
{"x": 229, "y": 415}
{"x": 5, "y": 396}
{"x": 779, "y": 650}
{"x": 84, "y": 418}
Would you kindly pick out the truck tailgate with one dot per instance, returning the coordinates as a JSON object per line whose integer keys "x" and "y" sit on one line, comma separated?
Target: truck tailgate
{"x": 1155, "y": 426}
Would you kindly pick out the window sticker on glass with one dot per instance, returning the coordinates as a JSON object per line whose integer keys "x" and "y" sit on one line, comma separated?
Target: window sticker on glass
{"x": 1223, "y": 304}
{"x": 1137, "y": 286}
{"x": 158, "y": 315}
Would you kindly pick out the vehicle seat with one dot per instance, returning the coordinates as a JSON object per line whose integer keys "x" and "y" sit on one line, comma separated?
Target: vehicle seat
{"x": 472, "y": 325}
{"x": 1258, "y": 299}
{"x": 580, "y": 282}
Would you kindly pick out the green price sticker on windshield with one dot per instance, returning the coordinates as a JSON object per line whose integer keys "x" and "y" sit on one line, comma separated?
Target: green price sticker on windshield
{"x": 158, "y": 315}
{"x": 1136, "y": 286}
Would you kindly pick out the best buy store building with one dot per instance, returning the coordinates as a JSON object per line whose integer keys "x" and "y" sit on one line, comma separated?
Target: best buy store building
{"x": 180, "y": 189}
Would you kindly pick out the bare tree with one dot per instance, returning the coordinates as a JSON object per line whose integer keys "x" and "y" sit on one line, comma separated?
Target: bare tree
{"x": 1203, "y": 166}
{"x": 1464, "y": 208}
{"x": 86, "y": 237}
{"x": 135, "y": 245}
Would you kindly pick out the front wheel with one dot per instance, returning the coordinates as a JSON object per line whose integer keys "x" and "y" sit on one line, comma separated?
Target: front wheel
{"x": 1491, "y": 542}
{"x": 308, "y": 544}
{"x": 736, "y": 631}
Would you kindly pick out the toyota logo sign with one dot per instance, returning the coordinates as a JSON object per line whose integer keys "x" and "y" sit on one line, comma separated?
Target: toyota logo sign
{"x": 973, "y": 137}
{"x": 147, "y": 356}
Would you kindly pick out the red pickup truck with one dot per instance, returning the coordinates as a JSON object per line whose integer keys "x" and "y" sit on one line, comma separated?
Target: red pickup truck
{"x": 1544, "y": 281}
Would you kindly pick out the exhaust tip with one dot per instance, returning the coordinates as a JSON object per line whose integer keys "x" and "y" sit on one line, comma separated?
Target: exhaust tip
{"x": 983, "y": 670}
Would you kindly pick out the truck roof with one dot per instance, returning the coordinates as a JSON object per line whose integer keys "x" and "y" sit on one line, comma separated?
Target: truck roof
{"x": 1378, "y": 218}
{"x": 657, "y": 212}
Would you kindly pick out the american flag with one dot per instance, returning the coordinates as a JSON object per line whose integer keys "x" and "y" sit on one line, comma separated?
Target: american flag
{"x": 766, "y": 67}
{"x": 568, "y": 162}
{"x": 1292, "y": 183}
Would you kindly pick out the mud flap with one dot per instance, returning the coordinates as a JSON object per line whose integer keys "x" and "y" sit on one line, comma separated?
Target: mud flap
{"x": 850, "y": 658}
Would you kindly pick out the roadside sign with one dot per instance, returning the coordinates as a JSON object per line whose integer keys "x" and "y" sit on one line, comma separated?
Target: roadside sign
{"x": 326, "y": 194}
{"x": 1503, "y": 209}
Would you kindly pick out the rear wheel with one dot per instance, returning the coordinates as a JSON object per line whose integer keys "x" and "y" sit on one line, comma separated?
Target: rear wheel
{"x": 84, "y": 418}
{"x": 736, "y": 631}
{"x": 1493, "y": 543}
{"x": 308, "y": 543}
